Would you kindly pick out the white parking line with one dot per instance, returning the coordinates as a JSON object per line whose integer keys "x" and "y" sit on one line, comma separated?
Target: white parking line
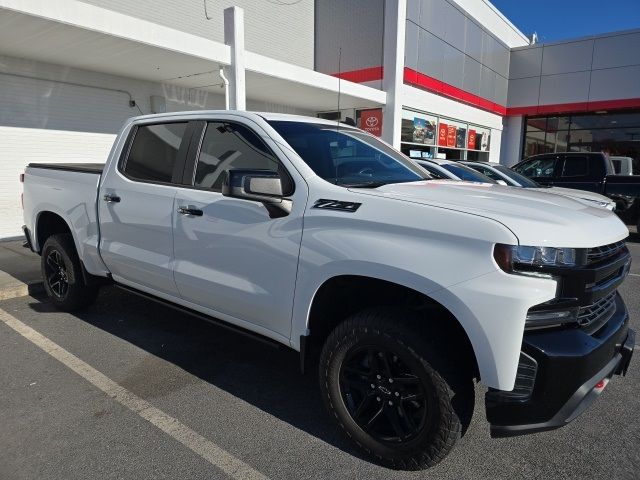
{"x": 206, "y": 449}
{"x": 634, "y": 274}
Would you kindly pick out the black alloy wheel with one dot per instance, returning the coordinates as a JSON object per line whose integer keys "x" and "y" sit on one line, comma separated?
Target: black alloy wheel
{"x": 56, "y": 274}
{"x": 61, "y": 269}
{"x": 392, "y": 381}
{"x": 383, "y": 395}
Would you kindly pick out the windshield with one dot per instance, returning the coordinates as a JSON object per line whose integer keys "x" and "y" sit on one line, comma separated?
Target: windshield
{"x": 466, "y": 173}
{"x": 346, "y": 156}
{"x": 526, "y": 182}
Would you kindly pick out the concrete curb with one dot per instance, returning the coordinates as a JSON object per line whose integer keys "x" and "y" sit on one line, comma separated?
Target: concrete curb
{"x": 22, "y": 290}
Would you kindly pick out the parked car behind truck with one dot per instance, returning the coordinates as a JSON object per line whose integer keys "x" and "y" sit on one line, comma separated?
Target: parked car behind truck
{"x": 588, "y": 171}
{"x": 321, "y": 237}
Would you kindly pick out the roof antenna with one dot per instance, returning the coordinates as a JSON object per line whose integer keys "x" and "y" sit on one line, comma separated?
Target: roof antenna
{"x": 335, "y": 166}
{"x": 339, "y": 83}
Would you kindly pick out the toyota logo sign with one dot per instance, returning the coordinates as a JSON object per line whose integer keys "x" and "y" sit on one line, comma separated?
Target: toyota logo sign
{"x": 371, "y": 121}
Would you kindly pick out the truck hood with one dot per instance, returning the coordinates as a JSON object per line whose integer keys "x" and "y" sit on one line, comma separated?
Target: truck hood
{"x": 591, "y": 198}
{"x": 536, "y": 217}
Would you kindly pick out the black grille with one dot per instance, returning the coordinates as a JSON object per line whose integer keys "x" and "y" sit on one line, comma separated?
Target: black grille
{"x": 597, "y": 254}
{"x": 597, "y": 314}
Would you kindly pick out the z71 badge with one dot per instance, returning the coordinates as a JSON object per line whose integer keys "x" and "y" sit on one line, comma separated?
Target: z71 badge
{"x": 336, "y": 205}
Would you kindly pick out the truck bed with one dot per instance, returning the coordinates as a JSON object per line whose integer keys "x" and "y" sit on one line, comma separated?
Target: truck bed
{"x": 71, "y": 167}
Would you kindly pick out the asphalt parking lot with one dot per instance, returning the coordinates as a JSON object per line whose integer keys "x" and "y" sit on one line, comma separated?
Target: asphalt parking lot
{"x": 139, "y": 391}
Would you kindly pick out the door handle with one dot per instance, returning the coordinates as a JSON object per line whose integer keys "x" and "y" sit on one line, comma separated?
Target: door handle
{"x": 190, "y": 211}
{"x": 110, "y": 198}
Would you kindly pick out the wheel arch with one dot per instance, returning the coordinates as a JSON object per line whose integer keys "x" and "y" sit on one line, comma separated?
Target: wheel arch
{"x": 342, "y": 295}
{"x": 49, "y": 223}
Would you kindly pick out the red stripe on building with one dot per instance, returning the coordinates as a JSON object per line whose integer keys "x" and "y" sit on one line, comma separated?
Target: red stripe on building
{"x": 363, "y": 75}
{"x": 578, "y": 107}
{"x": 420, "y": 80}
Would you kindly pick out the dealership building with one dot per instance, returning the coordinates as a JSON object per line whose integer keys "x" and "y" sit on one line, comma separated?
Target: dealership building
{"x": 436, "y": 78}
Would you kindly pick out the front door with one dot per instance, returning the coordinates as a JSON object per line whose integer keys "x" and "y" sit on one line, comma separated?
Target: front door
{"x": 232, "y": 259}
{"x": 136, "y": 207}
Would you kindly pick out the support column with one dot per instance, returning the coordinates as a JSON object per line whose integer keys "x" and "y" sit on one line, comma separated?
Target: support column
{"x": 511, "y": 144}
{"x": 395, "y": 20}
{"x": 234, "y": 37}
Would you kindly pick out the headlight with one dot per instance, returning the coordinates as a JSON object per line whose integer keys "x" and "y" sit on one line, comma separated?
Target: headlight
{"x": 527, "y": 260}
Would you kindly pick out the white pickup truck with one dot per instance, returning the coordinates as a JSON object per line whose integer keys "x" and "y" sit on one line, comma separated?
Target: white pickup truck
{"x": 323, "y": 238}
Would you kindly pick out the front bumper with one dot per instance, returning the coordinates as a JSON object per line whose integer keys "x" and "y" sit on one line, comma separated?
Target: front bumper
{"x": 567, "y": 370}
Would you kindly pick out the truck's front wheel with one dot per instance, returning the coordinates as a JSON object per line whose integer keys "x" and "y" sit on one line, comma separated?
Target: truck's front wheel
{"x": 395, "y": 389}
{"x": 62, "y": 274}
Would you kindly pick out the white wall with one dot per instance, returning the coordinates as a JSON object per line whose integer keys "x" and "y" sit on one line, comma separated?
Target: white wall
{"x": 281, "y": 31}
{"x": 50, "y": 120}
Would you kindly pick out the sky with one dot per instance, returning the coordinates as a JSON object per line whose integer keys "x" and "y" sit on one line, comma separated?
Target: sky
{"x": 563, "y": 19}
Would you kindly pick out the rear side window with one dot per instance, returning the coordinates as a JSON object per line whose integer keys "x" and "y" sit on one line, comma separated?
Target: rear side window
{"x": 597, "y": 166}
{"x": 154, "y": 152}
{"x": 233, "y": 146}
{"x": 575, "y": 167}
{"x": 537, "y": 167}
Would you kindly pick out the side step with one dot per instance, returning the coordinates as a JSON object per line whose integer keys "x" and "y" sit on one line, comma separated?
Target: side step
{"x": 202, "y": 316}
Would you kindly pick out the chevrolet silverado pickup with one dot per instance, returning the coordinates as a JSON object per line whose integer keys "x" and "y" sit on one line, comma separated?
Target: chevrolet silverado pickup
{"x": 315, "y": 235}
{"x": 589, "y": 171}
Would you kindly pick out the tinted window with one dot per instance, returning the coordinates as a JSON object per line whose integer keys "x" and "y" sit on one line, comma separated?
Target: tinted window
{"x": 596, "y": 166}
{"x": 432, "y": 171}
{"x": 466, "y": 173}
{"x": 154, "y": 152}
{"x": 347, "y": 156}
{"x": 516, "y": 177}
{"x": 232, "y": 146}
{"x": 537, "y": 167}
{"x": 489, "y": 173}
{"x": 575, "y": 167}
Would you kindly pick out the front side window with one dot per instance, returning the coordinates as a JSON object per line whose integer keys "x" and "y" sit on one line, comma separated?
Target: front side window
{"x": 346, "y": 156}
{"x": 154, "y": 152}
{"x": 228, "y": 146}
{"x": 537, "y": 167}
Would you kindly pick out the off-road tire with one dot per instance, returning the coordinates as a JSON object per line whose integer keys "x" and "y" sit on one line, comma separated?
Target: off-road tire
{"x": 447, "y": 382}
{"x": 77, "y": 294}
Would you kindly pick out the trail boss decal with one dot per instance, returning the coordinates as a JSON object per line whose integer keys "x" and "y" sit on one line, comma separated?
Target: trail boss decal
{"x": 336, "y": 205}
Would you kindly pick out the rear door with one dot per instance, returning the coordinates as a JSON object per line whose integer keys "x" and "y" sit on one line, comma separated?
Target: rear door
{"x": 233, "y": 259}
{"x": 582, "y": 172}
{"x": 542, "y": 168}
{"x": 136, "y": 206}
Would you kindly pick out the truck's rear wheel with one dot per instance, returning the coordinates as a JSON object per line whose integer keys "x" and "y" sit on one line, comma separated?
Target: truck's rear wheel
{"x": 394, "y": 389}
{"x": 62, "y": 274}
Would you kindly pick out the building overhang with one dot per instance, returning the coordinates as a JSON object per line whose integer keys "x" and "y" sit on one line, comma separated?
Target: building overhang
{"x": 79, "y": 35}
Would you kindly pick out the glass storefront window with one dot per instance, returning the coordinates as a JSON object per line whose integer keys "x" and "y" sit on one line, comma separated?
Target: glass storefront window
{"x": 614, "y": 133}
{"x": 429, "y": 136}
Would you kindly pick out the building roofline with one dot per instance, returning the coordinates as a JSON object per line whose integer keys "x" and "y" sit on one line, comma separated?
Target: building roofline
{"x": 506, "y": 20}
{"x": 616, "y": 33}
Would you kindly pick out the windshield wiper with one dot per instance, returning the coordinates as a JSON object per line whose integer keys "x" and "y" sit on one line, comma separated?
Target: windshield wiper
{"x": 363, "y": 185}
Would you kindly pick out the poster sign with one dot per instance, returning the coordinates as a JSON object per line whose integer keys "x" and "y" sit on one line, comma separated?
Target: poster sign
{"x": 442, "y": 134}
{"x": 461, "y": 137}
{"x": 371, "y": 121}
{"x": 424, "y": 131}
{"x": 471, "y": 141}
{"x": 451, "y": 135}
